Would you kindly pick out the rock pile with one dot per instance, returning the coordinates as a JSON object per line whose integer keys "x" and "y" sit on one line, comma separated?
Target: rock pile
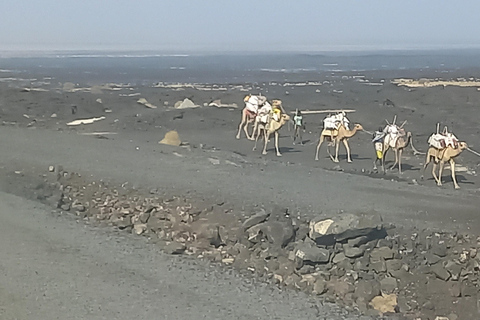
{"x": 352, "y": 259}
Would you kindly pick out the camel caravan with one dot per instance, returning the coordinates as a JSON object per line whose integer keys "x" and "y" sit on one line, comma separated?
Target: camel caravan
{"x": 266, "y": 118}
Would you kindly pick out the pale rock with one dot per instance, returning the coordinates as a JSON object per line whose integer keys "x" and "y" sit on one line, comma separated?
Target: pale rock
{"x": 384, "y": 303}
{"x": 139, "y": 228}
{"x": 185, "y": 104}
{"x": 171, "y": 138}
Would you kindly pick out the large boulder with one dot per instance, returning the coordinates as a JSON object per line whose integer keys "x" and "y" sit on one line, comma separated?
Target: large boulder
{"x": 344, "y": 227}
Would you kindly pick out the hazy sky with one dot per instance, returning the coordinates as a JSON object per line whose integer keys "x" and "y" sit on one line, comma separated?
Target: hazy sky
{"x": 237, "y": 25}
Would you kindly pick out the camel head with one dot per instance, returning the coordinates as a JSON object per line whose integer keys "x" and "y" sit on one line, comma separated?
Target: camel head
{"x": 276, "y": 102}
{"x": 285, "y": 117}
{"x": 357, "y": 126}
{"x": 462, "y": 145}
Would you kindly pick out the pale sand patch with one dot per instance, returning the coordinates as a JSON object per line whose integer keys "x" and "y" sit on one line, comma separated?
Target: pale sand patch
{"x": 428, "y": 83}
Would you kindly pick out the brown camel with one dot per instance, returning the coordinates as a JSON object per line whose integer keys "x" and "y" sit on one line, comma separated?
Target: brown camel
{"x": 401, "y": 143}
{"x": 273, "y": 127}
{"x": 440, "y": 156}
{"x": 335, "y": 136}
{"x": 247, "y": 118}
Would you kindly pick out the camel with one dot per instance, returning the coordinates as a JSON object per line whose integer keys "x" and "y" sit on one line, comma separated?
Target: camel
{"x": 441, "y": 156}
{"x": 247, "y": 118}
{"x": 401, "y": 143}
{"x": 335, "y": 136}
{"x": 273, "y": 127}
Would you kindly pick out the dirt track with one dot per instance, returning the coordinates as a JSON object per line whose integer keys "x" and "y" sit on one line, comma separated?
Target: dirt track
{"x": 56, "y": 268}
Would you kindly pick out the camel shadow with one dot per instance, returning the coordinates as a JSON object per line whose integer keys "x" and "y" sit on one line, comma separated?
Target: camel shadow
{"x": 405, "y": 167}
{"x": 460, "y": 179}
{"x": 355, "y": 157}
{"x": 285, "y": 150}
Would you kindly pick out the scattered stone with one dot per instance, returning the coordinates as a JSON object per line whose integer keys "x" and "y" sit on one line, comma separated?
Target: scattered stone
{"x": 279, "y": 233}
{"x": 347, "y": 226}
{"x": 367, "y": 289}
{"x": 185, "y": 104}
{"x": 354, "y": 252}
{"x": 147, "y": 104}
{"x": 393, "y": 265}
{"x": 388, "y": 285}
{"x": 380, "y": 254}
{"x": 439, "y": 249}
{"x": 439, "y": 271}
{"x": 312, "y": 254}
{"x": 431, "y": 258}
{"x": 218, "y": 103}
{"x": 139, "y": 228}
{"x": 214, "y": 161}
{"x": 454, "y": 269}
{"x": 174, "y": 248}
{"x": 320, "y": 286}
{"x": 257, "y": 218}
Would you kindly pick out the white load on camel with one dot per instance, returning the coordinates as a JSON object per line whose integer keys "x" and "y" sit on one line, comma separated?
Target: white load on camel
{"x": 443, "y": 140}
{"x": 264, "y": 112}
{"x": 253, "y": 102}
{"x": 392, "y": 132}
{"x": 334, "y": 122}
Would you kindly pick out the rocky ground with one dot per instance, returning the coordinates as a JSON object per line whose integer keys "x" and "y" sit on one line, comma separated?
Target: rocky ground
{"x": 373, "y": 243}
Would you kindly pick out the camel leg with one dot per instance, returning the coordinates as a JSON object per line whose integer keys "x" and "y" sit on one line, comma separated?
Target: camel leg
{"x": 454, "y": 178}
{"x": 244, "y": 119}
{"x": 347, "y": 147}
{"x": 266, "y": 136}
{"x": 440, "y": 172}
{"x": 385, "y": 149}
{"x": 276, "y": 144}
{"x": 427, "y": 161}
{"x": 400, "y": 161}
{"x": 254, "y": 129}
{"x": 434, "y": 172}
{"x": 256, "y": 139}
{"x": 320, "y": 141}
{"x": 329, "y": 153}
{"x": 337, "y": 147}
{"x": 396, "y": 159}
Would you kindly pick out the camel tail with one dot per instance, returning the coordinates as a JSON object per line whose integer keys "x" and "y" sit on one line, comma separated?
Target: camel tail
{"x": 415, "y": 151}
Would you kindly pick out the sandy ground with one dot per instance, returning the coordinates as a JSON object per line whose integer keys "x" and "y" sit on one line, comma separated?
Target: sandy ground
{"x": 212, "y": 167}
